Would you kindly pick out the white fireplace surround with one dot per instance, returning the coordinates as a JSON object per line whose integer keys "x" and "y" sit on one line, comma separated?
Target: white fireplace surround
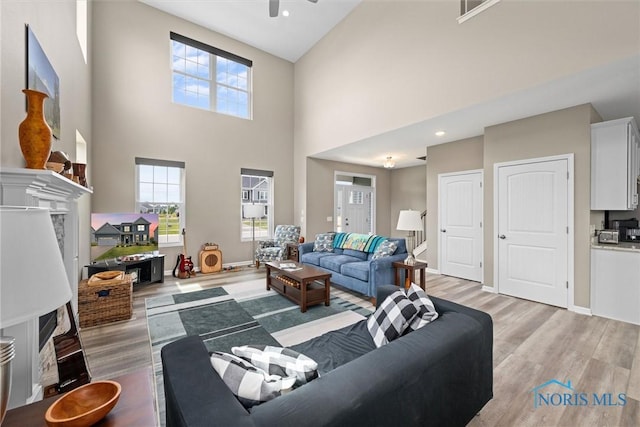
{"x": 45, "y": 189}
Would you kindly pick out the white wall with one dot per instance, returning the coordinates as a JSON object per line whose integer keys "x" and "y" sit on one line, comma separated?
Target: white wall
{"x": 135, "y": 117}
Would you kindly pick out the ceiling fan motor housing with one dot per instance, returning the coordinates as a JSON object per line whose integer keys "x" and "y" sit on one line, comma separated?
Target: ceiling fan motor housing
{"x": 274, "y": 5}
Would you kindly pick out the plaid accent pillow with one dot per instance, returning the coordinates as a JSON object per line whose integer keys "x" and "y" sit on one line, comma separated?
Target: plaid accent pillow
{"x": 249, "y": 384}
{"x": 391, "y": 318}
{"x": 323, "y": 242}
{"x": 426, "y": 311}
{"x": 386, "y": 248}
{"x": 279, "y": 361}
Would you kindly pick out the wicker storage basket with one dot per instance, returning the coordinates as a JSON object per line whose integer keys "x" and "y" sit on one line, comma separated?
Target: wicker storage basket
{"x": 104, "y": 301}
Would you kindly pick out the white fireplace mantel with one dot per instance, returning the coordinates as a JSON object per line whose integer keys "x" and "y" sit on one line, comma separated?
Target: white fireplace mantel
{"x": 45, "y": 189}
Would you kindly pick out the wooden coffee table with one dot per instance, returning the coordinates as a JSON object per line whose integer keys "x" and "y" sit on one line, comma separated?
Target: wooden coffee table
{"x": 303, "y": 284}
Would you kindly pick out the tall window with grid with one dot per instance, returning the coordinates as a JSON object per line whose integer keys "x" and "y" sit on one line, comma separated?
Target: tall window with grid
{"x": 160, "y": 186}
{"x": 256, "y": 188}
{"x": 210, "y": 78}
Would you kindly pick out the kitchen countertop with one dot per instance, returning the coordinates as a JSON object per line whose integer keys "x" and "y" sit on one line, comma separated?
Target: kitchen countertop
{"x": 622, "y": 246}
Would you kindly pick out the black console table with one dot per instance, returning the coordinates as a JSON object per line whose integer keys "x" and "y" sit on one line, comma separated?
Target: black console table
{"x": 150, "y": 270}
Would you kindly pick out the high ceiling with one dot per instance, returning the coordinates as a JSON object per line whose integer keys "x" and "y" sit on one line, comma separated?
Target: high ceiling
{"x": 613, "y": 89}
{"x": 248, "y": 21}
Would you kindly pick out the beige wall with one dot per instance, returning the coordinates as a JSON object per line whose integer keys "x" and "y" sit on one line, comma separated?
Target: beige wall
{"x": 396, "y": 189}
{"x": 320, "y": 190}
{"x": 456, "y": 156}
{"x": 390, "y": 64}
{"x": 134, "y": 117}
{"x": 393, "y": 63}
{"x": 556, "y": 133}
{"x": 408, "y": 191}
{"x": 561, "y": 132}
{"x": 54, "y": 24}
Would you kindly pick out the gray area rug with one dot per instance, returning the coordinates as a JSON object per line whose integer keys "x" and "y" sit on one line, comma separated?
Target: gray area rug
{"x": 239, "y": 314}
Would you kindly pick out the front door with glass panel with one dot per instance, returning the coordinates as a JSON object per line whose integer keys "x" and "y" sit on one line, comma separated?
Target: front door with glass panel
{"x": 354, "y": 209}
{"x": 354, "y": 204}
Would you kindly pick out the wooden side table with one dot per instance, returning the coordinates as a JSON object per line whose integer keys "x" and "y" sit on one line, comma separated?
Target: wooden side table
{"x": 136, "y": 406}
{"x": 410, "y": 273}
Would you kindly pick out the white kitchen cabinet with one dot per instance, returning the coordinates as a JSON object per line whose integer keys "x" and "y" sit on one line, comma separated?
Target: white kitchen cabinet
{"x": 615, "y": 165}
{"x": 615, "y": 284}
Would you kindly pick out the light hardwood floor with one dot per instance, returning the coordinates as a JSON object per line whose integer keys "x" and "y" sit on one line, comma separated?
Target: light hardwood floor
{"x": 533, "y": 343}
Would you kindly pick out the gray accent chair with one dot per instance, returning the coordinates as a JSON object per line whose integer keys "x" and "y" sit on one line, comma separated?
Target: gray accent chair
{"x": 276, "y": 248}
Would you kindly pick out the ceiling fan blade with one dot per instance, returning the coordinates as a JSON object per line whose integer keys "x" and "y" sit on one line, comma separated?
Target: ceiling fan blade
{"x": 313, "y": 1}
{"x": 274, "y": 5}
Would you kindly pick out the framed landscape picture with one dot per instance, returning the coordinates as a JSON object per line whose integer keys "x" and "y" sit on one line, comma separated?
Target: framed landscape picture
{"x": 42, "y": 77}
{"x": 122, "y": 234}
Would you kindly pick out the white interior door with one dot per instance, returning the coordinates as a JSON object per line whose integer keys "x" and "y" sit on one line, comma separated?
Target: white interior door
{"x": 460, "y": 242}
{"x": 532, "y": 231}
{"x": 356, "y": 209}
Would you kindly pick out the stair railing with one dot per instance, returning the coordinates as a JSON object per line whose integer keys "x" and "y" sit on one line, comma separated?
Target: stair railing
{"x": 421, "y": 236}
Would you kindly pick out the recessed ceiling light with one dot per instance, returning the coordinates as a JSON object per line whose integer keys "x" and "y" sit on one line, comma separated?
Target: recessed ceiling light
{"x": 285, "y": 13}
{"x": 440, "y": 133}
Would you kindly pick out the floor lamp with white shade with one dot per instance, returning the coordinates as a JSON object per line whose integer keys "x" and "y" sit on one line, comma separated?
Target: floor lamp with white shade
{"x": 410, "y": 221}
{"x": 254, "y": 212}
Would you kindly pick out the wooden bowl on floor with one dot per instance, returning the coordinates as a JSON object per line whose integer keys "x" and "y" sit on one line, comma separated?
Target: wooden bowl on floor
{"x": 84, "y": 406}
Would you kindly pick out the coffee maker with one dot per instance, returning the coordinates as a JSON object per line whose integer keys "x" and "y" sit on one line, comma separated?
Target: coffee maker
{"x": 628, "y": 229}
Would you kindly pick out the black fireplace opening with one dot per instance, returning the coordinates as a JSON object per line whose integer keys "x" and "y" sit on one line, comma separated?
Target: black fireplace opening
{"x": 48, "y": 324}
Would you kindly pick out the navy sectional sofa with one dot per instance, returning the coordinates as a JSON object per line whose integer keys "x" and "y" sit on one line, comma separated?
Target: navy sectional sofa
{"x": 353, "y": 269}
{"x": 439, "y": 375}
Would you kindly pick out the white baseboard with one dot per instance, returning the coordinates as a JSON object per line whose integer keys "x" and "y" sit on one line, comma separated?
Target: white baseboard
{"x": 491, "y": 289}
{"x": 248, "y": 263}
{"x": 433, "y": 271}
{"x": 581, "y": 310}
{"x": 224, "y": 265}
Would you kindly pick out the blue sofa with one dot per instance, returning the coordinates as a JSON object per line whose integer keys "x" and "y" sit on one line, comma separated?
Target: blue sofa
{"x": 353, "y": 269}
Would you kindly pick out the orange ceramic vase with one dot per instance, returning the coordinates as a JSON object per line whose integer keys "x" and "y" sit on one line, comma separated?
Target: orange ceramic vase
{"x": 34, "y": 132}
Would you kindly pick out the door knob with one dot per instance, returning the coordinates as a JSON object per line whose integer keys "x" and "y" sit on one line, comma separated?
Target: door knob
{"x": 502, "y": 236}
{"x": 443, "y": 230}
